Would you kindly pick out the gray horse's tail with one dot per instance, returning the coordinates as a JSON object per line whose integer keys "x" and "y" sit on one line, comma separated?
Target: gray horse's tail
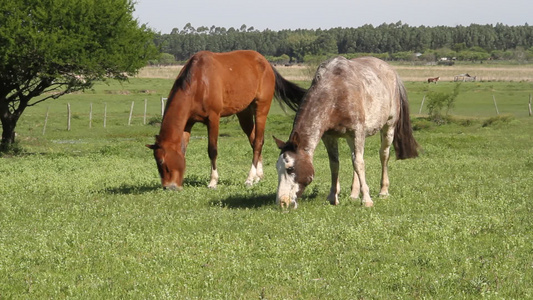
{"x": 404, "y": 141}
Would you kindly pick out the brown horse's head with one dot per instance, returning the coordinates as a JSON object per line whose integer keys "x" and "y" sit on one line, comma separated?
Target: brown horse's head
{"x": 295, "y": 173}
{"x": 170, "y": 164}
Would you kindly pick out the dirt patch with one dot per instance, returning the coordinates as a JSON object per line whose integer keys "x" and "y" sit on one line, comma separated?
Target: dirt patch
{"x": 482, "y": 72}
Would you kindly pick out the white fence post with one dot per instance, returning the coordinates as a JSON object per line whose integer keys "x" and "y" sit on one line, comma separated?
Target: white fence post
{"x": 46, "y": 119}
{"x": 163, "y": 106}
{"x": 145, "y": 105}
{"x": 91, "y": 116}
{"x": 494, "y": 99}
{"x": 421, "y": 104}
{"x": 530, "y": 113}
{"x": 105, "y": 114}
{"x": 68, "y": 117}
{"x": 131, "y": 112}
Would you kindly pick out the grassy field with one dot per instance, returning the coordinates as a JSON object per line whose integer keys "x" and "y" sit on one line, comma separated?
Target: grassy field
{"x": 82, "y": 214}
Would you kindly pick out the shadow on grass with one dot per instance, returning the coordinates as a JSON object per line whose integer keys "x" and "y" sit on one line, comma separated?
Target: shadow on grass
{"x": 256, "y": 201}
{"x": 248, "y": 201}
{"x": 127, "y": 189}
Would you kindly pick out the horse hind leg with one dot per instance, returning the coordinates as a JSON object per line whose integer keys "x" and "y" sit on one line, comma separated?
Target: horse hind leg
{"x": 387, "y": 136}
{"x": 332, "y": 148}
{"x": 261, "y": 112}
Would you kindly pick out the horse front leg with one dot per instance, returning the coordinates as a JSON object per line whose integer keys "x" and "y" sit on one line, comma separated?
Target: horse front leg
{"x": 357, "y": 145}
{"x": 186, "y": 137}
{"x": 332, "y": 147}
{"x": 356, "y": 186}
{"x": 212, "y": 133}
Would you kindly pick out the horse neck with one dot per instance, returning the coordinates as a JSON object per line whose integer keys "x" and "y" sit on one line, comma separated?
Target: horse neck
{"x": 309, "y": 125}
{"x": 175, "y": 118}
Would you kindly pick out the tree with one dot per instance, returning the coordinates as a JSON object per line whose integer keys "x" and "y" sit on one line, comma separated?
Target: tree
{"x": 54, "y": 47}
{"x": 166, "y": 59}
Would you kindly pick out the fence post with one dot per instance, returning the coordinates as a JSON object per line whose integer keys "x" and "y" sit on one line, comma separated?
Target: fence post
{"x": 530, "y": 113}
{"x": 131, "y": 112}
{"x": 68, "y": 116}
{"x": 91, "y": 116}
{"x": 421, "y": 104}
{"x": 145, "y": 104}
{"x": 163, "y": 106}
{"x": 105, "y": 114}
{"x": 496, "y": 106}
{"x": 46, "y": 119}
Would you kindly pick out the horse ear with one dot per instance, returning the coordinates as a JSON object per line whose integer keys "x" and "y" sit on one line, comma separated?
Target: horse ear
{"x": 295, "y": 139}
{"x": 154, "y": 146}
{"x": 279, "y": 143}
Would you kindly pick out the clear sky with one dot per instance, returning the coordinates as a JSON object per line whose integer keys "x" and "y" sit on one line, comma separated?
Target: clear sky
{"x": 164, "y": 15}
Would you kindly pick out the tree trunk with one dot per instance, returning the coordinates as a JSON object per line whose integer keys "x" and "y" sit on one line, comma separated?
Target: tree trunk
{"x": 9, "y": 122}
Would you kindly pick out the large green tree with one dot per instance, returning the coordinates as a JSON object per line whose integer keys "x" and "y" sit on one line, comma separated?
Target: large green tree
{"x": 49, "y": 48}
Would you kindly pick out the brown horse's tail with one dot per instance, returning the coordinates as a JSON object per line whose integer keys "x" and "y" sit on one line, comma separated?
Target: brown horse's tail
{"x": 288, "y": 92}
{"x": 404, "y": 141}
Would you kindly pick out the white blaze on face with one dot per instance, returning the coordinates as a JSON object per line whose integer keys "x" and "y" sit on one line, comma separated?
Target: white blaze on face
{"x": 287, "y": 186}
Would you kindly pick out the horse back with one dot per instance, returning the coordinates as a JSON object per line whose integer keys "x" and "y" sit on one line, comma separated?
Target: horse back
{"x": 362, "y": 91}
{"x": 238, "y": 69}
{"x": 225, "y": 83}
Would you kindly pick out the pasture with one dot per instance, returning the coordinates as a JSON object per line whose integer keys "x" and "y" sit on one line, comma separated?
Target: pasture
{"x": 82, "y": 214}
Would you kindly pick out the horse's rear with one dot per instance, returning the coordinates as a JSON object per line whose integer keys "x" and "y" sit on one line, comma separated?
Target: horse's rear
{"x": 382, "y": 94}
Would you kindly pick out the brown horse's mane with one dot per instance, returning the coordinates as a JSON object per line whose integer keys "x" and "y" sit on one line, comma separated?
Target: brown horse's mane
{"x": 182, "y": 81}
{"x": 185, "y": 75}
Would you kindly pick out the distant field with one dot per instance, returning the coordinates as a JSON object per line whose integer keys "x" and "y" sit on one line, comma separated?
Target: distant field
{"x": 483, "y": 72}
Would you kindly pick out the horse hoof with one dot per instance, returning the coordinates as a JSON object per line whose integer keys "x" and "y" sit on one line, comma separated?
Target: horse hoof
{"x": 251, "y": 182}
{"x": 368, "y": 203}
{"x": 383, "y": 195}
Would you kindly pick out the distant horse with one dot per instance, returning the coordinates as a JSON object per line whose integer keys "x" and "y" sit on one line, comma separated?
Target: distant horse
{"x": 215, "y": 85}
{"x": 434, "y": 79}
{"x": 351, "y": 99}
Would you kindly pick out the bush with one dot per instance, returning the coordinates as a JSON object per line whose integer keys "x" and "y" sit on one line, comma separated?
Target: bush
{"x": 155, "y": 121}
{"x": 500, "y": 119}
{"x": 421, "y": 124}
{"x": 437, "y": 101}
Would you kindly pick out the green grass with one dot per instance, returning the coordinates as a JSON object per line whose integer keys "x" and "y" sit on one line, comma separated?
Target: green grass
{"x": 82, "y": 214}
{"x": 475, "y": 99}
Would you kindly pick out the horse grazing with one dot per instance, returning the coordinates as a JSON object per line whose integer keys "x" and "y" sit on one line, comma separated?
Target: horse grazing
{"x": 434, "y": 79}
{"x": 351, "y": 99}
{"x": 215, "y": 85}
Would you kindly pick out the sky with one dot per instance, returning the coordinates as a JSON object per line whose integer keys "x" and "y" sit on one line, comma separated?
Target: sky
{"x": 164, "y": 15}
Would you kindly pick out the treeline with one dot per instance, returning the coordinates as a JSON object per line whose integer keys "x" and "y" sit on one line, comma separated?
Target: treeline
{"x": 395, "y": 41}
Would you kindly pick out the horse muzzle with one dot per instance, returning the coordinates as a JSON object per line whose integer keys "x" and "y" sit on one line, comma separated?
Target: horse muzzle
{"x": 287, "y": 202}
{"x": 172, "y": 187}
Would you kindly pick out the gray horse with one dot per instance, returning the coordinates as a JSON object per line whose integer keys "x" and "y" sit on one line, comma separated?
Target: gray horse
{"x": 351, "y": 99}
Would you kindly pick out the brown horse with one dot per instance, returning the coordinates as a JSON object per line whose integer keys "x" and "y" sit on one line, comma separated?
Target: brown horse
{"x": 434, "y": 79}
{"x": 351, "y": 99}
{"x": 215, "y": 85}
